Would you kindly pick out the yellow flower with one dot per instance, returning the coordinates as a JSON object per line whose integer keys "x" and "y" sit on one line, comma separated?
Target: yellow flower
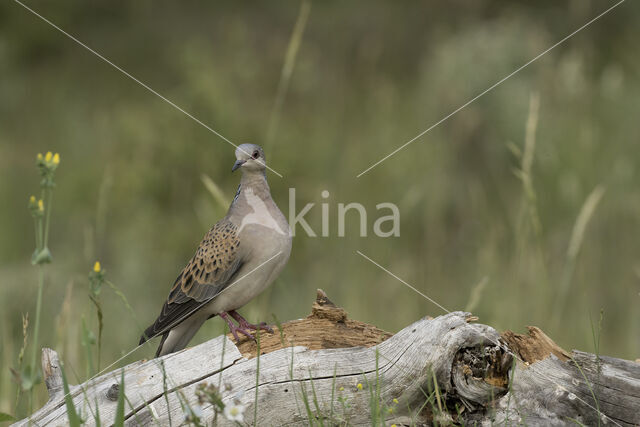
{"x": 96, "y": 267}
{"x": 48, "y": 156}
{"x": 341, "y": 388}
{"x": 32, "y": 199}
{"x": 56, "y": 159}
{"x": 390, "y": 410}
{"x": 359, "y": 386}
{"x": 40, "y": 205}
{"x": 393, "y": 425}
{"x": 39, "y": 156}
{"x": 395, "y": 401}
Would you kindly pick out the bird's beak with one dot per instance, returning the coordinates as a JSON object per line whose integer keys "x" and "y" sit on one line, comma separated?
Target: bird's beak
{"x": 237, "y": 164}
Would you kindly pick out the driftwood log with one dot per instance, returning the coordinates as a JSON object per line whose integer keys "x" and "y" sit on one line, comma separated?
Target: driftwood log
{"x": 444, "y": 370}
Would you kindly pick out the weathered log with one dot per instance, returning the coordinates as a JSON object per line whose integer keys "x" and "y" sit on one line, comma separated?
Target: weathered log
{"x": 447, "y": 369}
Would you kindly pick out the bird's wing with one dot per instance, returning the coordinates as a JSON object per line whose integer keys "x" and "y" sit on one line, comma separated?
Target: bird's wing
{"x": 213, "y": 268}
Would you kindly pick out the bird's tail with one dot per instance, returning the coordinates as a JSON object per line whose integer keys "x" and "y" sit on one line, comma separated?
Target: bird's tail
{"x": 147, "y": 335}
{"x": 159, "y": 350}
{"x": 176, "y": 338}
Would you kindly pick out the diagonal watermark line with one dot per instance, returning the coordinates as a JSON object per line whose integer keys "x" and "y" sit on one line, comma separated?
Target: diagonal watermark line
{"x": 496, "y": 343}
{"x": 147, "y": 87}
{"x": 489, "y": 89}
{"x": 396, "y": 277}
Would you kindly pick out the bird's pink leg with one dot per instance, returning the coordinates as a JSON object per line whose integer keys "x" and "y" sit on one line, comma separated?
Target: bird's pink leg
{"x": 246, "y": 325}
{"x": 235, "y": 329}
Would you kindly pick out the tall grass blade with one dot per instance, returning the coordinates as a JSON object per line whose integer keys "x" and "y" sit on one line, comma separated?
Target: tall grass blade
{"x": 333, "y": 391}
{"x": 529, "y": 207}
{"x": 437, "y": 390}
{"x": 119, "y": 420}
{"x": 96, "y": 302}
{"x": 96, "y": 415}
{"x": 577, "y": 237}
{"x": 165, "y": 390}
{"x": 255, "y": 403}
{"x": 316, "y": 403}
{"x": 530, "y": 133}
{"x": 287, "y": 70}
{"x": 4, "y": 417}
{"x": 585, "y": 215}
{"x": 307, "y": 406}
{"x": 25, "y": 335}
{"x": 215, "y": 191}
{"x": 72, "y": 414}
{"x": 125, "y": 301}
{"x": 593, "y": 395}
{"x": 476, "y": 295}
{"x": 88, "y": 340}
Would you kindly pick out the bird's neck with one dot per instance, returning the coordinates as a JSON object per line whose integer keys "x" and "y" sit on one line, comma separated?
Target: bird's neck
{"x": 256, "y": 182}
{"x": 254, "y": 179}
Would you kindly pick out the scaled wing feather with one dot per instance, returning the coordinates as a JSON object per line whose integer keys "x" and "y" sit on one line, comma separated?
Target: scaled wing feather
{"x": 213, "y": 267}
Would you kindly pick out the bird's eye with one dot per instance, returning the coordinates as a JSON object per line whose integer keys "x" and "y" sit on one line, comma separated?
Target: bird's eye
{"x": 255, "y": 154}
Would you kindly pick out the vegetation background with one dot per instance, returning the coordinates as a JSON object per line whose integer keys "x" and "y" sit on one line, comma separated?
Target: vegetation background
{"x": 481, "y": 227}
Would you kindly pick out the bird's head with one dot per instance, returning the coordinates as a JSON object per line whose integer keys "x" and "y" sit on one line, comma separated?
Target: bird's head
{"x": 250, "y": 157}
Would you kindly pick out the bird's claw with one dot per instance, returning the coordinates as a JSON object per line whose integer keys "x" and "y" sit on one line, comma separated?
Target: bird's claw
{"x": 263, "y": 326}
{"x": 235, "y": 329}
{"x": 243, "y": 323}
{"x": 244, "y": 326}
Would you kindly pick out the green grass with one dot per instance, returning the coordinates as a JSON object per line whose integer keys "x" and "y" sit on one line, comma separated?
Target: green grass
{"x": 255, "y": 402}
{"x": 119, "y": 419}
{"x": 72, "y": 413}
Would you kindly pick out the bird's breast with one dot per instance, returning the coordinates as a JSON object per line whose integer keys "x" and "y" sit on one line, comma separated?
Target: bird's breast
{"x": 262, "y": 213}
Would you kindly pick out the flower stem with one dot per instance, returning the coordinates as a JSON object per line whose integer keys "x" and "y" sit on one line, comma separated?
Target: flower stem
{"x": 49, "y": 206}
{"x": 36, "y": 328}
{"x": 35, "y": 225}
{"x": 36, "y": 332}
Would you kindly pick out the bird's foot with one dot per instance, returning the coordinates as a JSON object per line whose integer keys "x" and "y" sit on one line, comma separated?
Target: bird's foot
{"x": 243, "y": 323}
{"x": 235, "y": 329}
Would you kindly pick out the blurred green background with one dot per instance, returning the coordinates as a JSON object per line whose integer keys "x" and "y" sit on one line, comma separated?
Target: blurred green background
{"x": 368, "y": 76}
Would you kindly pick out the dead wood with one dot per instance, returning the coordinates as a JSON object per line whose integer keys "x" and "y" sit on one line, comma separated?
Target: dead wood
{"x": 328, "y": 367}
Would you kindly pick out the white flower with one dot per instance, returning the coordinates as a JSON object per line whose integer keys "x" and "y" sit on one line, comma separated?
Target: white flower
{"x": 233, "y": 411}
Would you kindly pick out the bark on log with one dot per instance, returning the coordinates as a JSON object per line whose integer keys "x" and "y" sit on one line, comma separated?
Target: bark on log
{"x": 444, "y": 370}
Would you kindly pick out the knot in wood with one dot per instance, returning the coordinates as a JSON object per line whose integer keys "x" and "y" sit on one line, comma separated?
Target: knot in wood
{"x": 112, "y": 393}
{"x": 481, "y": 374}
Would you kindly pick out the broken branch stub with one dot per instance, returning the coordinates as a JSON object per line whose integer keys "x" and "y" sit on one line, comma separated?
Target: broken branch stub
{"x": 51, "y": 372}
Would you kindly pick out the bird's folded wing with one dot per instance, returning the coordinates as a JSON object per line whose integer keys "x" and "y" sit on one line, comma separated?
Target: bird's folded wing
{"x": 214, "y": 267}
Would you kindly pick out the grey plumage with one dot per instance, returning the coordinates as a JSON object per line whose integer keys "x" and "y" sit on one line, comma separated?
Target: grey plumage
{"x": 230, "y": 265}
